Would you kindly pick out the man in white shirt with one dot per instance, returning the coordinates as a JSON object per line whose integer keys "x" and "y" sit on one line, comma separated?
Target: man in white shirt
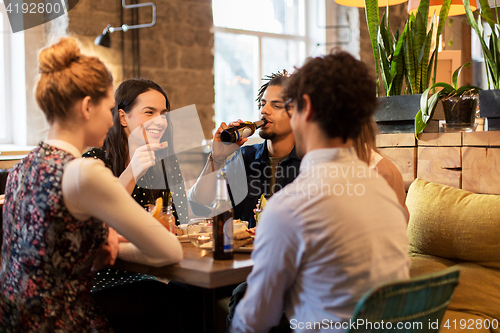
{"x": 338, "y": 230}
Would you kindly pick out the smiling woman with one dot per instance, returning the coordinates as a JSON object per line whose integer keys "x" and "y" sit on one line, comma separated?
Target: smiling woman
{"x": 146, "y": 112}
{"x": 136, "y": 149}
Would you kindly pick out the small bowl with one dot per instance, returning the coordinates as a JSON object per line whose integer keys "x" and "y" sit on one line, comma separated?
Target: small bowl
{"x": 199, "y": 231}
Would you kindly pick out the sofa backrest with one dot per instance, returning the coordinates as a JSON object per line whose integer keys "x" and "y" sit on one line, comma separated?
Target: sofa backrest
{"x": 452, "y": 227}
{"x": 453, "y": 223}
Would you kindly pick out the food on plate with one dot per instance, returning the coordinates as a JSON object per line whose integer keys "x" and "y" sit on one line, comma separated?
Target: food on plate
{"x": 251, "y": 231}
{"x": 243, "y": 237}
{"x": 238, "y": 221}
{"x": 178, "y": 231}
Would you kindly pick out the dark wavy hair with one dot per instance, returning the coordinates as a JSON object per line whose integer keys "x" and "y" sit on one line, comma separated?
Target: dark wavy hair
{"x": 116, "y": 142}
{"x": 342, "y": 92}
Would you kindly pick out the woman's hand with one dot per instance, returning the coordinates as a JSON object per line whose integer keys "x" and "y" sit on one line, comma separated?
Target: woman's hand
{"x": 221, "y": 151}
{"x": 144, "y": 158}
{"x": 108, "y": 252}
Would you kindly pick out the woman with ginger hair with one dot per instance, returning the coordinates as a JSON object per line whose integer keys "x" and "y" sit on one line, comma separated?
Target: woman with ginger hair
{"x": 367, "y": 152}
{"x": 56, "y": 203}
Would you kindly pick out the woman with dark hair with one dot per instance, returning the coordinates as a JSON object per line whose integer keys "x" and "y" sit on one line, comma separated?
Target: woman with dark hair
{"x": 142, "y": 110}
{"x": 58, "y": 207}
{"x": 139, "y": 150}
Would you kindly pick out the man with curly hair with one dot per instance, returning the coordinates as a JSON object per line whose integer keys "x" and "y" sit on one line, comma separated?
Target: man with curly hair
{"x": 337, "y": 230}
{"x": 269, "y": 166}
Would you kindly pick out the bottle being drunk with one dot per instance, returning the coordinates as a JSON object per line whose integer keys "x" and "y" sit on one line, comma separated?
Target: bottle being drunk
{"x": 223, "y": 221}
{"x": 243, "y": 130}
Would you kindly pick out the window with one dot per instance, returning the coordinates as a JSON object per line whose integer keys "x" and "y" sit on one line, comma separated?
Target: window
{"x": 254, "y": 38}
{"x": 5, "y": 130}
{"x": 481, "y": 76}
{"x": 13, "y": 88}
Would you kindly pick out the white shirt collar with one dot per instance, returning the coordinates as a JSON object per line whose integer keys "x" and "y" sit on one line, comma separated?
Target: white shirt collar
{"x": 319, "y": 156}
{"x": 64, "y": 146}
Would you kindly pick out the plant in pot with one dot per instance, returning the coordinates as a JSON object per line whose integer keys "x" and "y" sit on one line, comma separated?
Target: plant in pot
{"x": 403, "y": 58}
{"x": 489, "y": 101}
{"x": 459, "y": 104}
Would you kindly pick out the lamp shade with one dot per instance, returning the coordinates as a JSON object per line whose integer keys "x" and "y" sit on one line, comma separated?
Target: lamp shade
{"x": 456, "y": 8}
{"x": 103, "y": 40}
{"x": 361, "y": 3}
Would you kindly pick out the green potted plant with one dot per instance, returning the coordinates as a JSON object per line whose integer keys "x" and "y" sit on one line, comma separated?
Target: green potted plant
{"x": 459, "y": 104}
{"x": 489, "y": 100}
{"x": 403, "y": 58}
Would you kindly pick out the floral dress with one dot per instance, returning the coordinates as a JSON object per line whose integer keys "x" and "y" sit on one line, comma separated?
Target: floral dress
{"x": 47, "y": 254}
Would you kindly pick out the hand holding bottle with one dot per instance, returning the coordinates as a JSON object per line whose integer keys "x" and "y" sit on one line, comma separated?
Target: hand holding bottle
{"x": 221, "y": 151}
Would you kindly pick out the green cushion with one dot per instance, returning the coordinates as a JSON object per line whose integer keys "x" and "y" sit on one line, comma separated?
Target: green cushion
{"x": 453, "y": 223}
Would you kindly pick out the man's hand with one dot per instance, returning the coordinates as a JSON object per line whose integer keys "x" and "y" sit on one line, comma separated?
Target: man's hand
{"x": 144, "y": 158}
{"x": 108, "y": 252}
{"x": 221, "y": 151}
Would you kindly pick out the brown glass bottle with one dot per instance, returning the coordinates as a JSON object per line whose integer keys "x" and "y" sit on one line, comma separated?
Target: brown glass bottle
{"x": 223, "y": 221}
{"x": 243, "y": 130}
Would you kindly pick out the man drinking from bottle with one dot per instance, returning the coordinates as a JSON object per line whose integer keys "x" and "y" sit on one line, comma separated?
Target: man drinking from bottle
{"x": 268, "y": 166}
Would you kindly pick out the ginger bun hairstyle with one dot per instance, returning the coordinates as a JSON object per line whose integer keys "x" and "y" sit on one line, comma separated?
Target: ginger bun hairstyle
{"x": 67, "y": 76}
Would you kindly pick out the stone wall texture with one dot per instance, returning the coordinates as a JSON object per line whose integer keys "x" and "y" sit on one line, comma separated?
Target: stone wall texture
{"x": 177, "y": 52}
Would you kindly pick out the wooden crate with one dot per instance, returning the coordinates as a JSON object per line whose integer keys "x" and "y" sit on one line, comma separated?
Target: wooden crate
{"x": 467, "y": 160}
{"x": 481, "y": 162}
{"x": 401, "y": 149}
{"x": 439, "y": 158}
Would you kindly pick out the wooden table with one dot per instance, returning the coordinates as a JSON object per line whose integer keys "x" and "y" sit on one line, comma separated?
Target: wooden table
{"x": 198, "y": 268}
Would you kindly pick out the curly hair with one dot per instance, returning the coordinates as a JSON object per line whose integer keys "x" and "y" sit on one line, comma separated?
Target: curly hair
{"x": 275, "y": 79}
{"x": 342, "y": 93}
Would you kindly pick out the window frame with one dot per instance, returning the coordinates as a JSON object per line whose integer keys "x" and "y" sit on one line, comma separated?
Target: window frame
{"x": 260, "y": 35}
{"x": 5, "y": 62}
{"x": 313, "y": 38}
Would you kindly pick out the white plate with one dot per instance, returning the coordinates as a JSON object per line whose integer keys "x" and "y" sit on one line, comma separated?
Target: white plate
{"x": 183, "y": 239}
{"x": 242, "y": 249}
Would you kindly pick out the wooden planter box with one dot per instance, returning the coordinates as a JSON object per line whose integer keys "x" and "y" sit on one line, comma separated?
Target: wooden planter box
{"x": 466, "y": 160}
{"x": 396, "y": 114}
{"x": 489, "y": 104}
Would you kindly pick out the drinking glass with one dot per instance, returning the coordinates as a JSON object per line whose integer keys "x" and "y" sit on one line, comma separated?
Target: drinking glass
{"x": 199, "y": 231}
{"x": 167, "y": 218}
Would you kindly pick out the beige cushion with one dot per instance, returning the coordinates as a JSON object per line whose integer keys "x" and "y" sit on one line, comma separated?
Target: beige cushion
{"x": 448, "y": 227}
{"x": 453, "y": 223}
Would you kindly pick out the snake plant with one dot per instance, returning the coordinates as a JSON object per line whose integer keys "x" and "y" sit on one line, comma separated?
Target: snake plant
{"x": 392, "y": 59}
{"x": 491, "y": 50}
{"x": 407, "y": 56}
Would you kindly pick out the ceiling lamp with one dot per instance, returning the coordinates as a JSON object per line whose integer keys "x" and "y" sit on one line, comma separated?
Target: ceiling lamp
{"x": 361, "y": 3}
{"x": 456, "y": 8}
{"x": 105, "y": 40}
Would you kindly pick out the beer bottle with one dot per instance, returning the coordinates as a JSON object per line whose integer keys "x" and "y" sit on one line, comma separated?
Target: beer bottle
{"x": 243, "y": 130}
{"x": 223, "y": 221}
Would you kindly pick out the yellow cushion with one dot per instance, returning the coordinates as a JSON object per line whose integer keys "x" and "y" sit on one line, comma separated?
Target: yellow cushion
{"x": 478, "y": 291}
{"x": 453, "y": 223}
{"x": 452, "y": 227}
